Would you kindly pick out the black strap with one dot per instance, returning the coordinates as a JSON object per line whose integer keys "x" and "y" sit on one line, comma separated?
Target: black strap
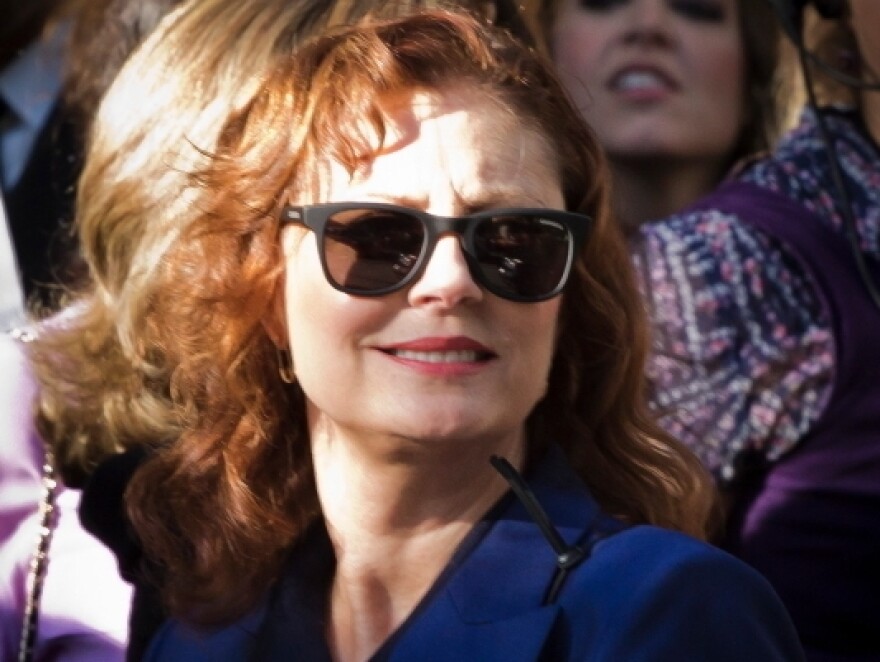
{"x": 567, "y": 556}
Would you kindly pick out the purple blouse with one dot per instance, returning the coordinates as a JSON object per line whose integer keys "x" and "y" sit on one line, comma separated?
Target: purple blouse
{"x": 766, "y": 363}
{"x": 743, "y": 349}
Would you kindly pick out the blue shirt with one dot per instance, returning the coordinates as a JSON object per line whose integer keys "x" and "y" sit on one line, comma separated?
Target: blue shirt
{"x": 29, "y": 86}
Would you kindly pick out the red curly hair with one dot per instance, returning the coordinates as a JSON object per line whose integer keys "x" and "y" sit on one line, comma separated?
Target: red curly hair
{"x": 218, "y": 505}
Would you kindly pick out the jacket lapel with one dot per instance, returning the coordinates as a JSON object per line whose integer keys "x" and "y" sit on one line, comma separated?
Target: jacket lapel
{"x": 491, "y": 604}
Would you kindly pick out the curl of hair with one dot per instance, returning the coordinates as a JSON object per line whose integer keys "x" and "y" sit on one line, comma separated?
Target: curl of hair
{"x": 770, "y": 80}
{"x": 102, "y": 374}
{"x": 237, "y": 484}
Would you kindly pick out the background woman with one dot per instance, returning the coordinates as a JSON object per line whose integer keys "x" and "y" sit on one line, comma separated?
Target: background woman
{"x": 336, "y": 377}
{"x": 677, "y": 92}
{"x": 765, "y": 336}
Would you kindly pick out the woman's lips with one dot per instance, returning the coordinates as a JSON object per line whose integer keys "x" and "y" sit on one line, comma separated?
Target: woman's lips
{"x": 446, "y": 355}
{"x": 642, "y": 83}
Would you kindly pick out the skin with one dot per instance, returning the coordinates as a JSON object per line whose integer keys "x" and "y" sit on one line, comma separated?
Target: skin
{"x": 662, "y": 82}
{"x": 401, "y": 444}
{"x": 865, "y": 22}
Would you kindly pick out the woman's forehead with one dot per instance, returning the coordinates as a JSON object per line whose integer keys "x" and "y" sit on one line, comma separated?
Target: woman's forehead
{"x": 433, "y": 142}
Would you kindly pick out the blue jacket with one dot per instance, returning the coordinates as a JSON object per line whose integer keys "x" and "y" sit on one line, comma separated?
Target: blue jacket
{"x": 644, "y": 593}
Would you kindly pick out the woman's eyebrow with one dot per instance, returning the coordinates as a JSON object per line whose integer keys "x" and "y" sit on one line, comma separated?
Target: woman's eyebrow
{"x": 503, "y": 196}
{"x": 487, "y": 197}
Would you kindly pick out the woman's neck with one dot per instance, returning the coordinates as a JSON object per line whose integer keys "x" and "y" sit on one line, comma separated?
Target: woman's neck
{"x": 651, "y": 189}
{"x": 396, "y": 510}
{"x": 871, "y": 114}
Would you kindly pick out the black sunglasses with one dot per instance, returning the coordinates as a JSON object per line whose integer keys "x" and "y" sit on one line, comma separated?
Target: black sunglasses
{"x": 371, "y": 249}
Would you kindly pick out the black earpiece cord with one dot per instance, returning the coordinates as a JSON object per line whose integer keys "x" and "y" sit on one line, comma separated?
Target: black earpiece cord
{"x": 842, "y": 199}
{"x": 567, "y": 556}
{"x": 837, "y": 74}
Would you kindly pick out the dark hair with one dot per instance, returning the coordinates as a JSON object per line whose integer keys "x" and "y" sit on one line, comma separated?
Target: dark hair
{"x": 769, "y": 67}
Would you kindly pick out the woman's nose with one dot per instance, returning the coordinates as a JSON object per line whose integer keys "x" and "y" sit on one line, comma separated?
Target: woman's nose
{"x": 648, "y": 22}
{"x": 446, "y": 280}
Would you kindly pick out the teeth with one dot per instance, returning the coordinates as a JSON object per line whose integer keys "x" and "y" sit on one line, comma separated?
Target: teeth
{"x": 639, "y": 80}
{"x": 459, "y": 356}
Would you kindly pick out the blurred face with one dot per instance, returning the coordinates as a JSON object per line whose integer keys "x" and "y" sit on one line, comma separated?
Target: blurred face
{"x": 655, "y": 77}
{"x": 442, "y": 358}
{"x": 865, "y": 21}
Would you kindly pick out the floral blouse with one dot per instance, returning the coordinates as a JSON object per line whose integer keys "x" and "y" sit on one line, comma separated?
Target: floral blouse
{"x": 743, "y": 351}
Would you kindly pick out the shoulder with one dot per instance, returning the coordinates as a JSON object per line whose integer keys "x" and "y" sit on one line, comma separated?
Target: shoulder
{"x": 232, "y": 643}
{"x": 708, "y": 265}
{"x": 664, "y": 595}
{"x": 21, "y": 452}
{"x": 800, "y": 169}
{"x": 21, "y": 459}
{"x": 14, "y": 363}
{"x": 795, "y": 167}
{"x": 703, "y": 235}
{"x": 717, "y": 279}
{"x": 657, "y": 557}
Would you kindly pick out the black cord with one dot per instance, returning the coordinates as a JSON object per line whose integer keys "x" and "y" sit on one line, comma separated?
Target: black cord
{"x": 836, "y": 74}
{"x": 567, "y": 556}
{"x": 840, "y": 191}
{"x": 528, "y": 499}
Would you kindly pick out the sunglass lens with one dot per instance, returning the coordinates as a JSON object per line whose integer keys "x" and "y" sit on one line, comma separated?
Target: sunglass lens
{"x": 368, "y": 251}
{"x": 522, "y": 257}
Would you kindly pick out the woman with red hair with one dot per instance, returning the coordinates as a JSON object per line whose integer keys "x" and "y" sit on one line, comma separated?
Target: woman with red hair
{"x": 392, "y": 350}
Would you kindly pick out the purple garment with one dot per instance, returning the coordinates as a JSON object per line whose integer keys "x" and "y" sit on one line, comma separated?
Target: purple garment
{"x": 775, "y": 318}
{"x": 85, "y": 604}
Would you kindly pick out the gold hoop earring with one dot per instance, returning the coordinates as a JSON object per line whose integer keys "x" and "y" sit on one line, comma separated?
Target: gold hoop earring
{"x": 285, "y": 365}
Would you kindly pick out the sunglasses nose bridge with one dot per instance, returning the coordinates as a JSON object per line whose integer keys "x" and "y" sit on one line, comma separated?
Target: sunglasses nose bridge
{"x": 441, "y": 226}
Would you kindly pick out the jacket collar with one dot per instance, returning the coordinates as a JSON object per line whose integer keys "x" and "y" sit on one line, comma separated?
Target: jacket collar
{"x": 488, "y": 604}
{"x": 515, "y": 552}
